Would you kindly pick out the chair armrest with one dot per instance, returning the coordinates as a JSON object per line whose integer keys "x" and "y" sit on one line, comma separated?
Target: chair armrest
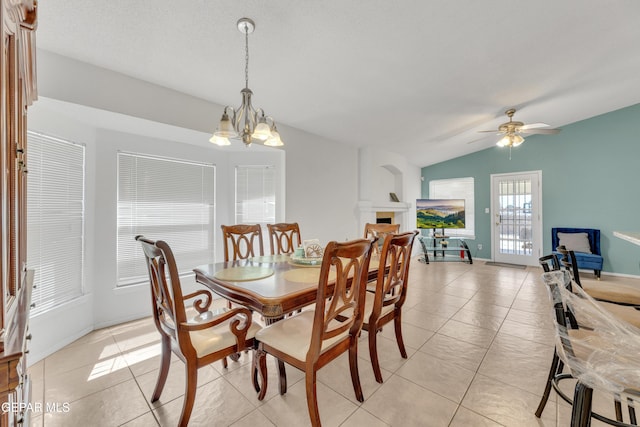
{"x": 200, "y": 304}
{"x": 238, "y": 326}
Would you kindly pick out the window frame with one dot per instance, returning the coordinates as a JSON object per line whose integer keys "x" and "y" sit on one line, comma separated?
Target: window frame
{"x": 128, "y": 251}
{"x": 73, "y": 284}
{"x": 239, "y": 215}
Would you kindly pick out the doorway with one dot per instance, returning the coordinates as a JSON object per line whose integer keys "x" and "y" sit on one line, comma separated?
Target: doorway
{"x": 516, "y": 212}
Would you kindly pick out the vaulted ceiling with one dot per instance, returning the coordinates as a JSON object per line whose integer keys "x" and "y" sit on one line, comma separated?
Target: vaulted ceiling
{"x": 416, "y": 77}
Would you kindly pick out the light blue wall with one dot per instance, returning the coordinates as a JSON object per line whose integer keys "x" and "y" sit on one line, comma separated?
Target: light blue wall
{"x": 590, "y": 178}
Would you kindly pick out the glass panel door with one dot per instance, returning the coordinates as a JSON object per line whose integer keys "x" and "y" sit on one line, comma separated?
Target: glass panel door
{"x": 516, "y": 214}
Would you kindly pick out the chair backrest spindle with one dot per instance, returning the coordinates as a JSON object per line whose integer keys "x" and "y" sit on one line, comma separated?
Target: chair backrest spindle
{"x": 284, "y": 238}
{"x": 240, "y": 241}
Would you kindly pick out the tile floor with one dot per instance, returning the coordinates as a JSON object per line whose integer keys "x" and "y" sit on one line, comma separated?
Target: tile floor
{"x": 479, "y": 340}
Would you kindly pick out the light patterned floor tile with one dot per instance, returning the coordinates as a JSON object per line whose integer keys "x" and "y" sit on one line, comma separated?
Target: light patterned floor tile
{"x": 217, "y": 403}
{"x": 401, "y": 402}
{"x": 466, "y": 418}
{"x": 469, "y": 333}
{"x": 109, "y": 407}
{"x": 291, "y": 408}
{"x": 362, "y": 418}
{"x": 175, "y": 384}
{"x": 255, "y": 418}
{"x": 438, "y": 375}
{"x": 505, "y": 404}
{"x": 475, "y": 334}
{"x": 458, "y": 352}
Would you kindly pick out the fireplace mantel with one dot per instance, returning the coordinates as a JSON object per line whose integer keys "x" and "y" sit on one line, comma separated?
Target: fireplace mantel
{"x": 367, "y": 212}
{"x": 371, "y": 206}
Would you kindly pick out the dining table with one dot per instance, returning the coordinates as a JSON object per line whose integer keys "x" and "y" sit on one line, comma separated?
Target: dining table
{"x": 272, "y": 286}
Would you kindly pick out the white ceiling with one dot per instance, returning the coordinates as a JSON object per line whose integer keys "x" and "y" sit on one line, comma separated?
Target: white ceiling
{"x": 418, "y": 77}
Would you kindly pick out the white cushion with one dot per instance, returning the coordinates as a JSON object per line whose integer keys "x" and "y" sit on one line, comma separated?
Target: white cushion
{"x": 577, "y": 242}
{"x": 368, "y": 307}
{"x": 214, "y": 339}
{"x": 293, "y": 335}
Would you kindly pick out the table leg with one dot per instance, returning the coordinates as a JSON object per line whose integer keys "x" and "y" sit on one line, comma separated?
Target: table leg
{"x": 281, "y": 370}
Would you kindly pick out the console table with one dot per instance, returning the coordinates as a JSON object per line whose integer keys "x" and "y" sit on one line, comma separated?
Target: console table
{"x": 453, "y": 249}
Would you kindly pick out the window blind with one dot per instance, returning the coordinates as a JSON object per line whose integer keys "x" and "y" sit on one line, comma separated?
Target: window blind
{"x": 457, "y": 188}
{"x": 55, "y": 220}
{"x": 255, "y": 194}
{"x": 164, "y": 199}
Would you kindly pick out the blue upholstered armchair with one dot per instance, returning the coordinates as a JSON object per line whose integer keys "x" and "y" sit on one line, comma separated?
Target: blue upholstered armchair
{"x": 586, "y": 248}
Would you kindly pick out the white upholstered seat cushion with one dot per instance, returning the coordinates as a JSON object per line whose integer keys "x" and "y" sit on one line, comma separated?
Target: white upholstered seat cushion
{"x": 368, "y": 307}
{"x": 613, "y": 291}
{"x": 293, "y": 335}
{"x": 214, "y": 339}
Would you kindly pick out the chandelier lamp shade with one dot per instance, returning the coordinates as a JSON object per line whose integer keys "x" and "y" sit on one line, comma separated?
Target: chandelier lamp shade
{"x": 245, "y": 122}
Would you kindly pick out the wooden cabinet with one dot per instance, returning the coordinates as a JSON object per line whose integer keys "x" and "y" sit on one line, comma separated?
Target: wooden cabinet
{"x": 18, "y": 91}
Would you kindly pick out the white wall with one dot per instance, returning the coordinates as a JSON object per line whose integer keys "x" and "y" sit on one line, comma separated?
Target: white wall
{"x": 64, "y": 324}
{"x": 320, "y": 176}
{"x": 383, "y": 172}
{"x": 321, "y": 187}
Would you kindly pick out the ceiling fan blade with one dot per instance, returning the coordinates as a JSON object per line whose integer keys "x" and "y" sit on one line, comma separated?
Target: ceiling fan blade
{"x": 476, "y": 140}
{"x": 539, "y": 131}
{"x": 534, "y": 126}
{"x": 491, "y": 131}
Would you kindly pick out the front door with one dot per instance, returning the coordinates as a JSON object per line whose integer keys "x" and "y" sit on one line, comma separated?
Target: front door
{"x": 516, "y": 217}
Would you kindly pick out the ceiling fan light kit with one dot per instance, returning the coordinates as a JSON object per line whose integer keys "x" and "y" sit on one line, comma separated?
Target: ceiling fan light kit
{"x": 512, "y": 130}
{"x": 245, "y": 122}
{"x": 510, "y": 140}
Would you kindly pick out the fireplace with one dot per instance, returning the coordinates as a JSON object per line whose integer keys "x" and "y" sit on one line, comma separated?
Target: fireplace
{"x": 385, "y": 218}
{"x": 385, "y": 212}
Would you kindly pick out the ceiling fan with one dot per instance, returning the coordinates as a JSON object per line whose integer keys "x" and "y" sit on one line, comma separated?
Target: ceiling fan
{"x": 513, "y": 130}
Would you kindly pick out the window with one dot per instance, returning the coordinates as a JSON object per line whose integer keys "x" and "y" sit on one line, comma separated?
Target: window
{"x": 164, "y": 199}
{"x": 255, "y": 194}
{"x": 457, "y": 188}
{"x": 55, "y": 220}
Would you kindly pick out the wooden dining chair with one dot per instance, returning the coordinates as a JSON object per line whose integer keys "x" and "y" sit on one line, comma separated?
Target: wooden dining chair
{"x": 385, "y": 305}
{"x": 242, "y": 241}
{"x": 197, "y": 336}
{"x": 380, "y": 231}
{"x": 311, "y": 339}
{"x": 284, "y": 238}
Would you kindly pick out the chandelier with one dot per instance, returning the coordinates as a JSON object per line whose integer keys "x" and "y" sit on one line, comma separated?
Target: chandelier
{"x": 245, "y": 122}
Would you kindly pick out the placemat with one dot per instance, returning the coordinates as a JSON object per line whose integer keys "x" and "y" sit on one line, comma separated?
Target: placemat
{"x": 243, "y": 274}
{"x": 306, "y": 275}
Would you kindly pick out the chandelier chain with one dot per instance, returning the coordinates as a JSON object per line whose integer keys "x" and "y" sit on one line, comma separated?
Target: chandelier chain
{"x": 246, "y": 56}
